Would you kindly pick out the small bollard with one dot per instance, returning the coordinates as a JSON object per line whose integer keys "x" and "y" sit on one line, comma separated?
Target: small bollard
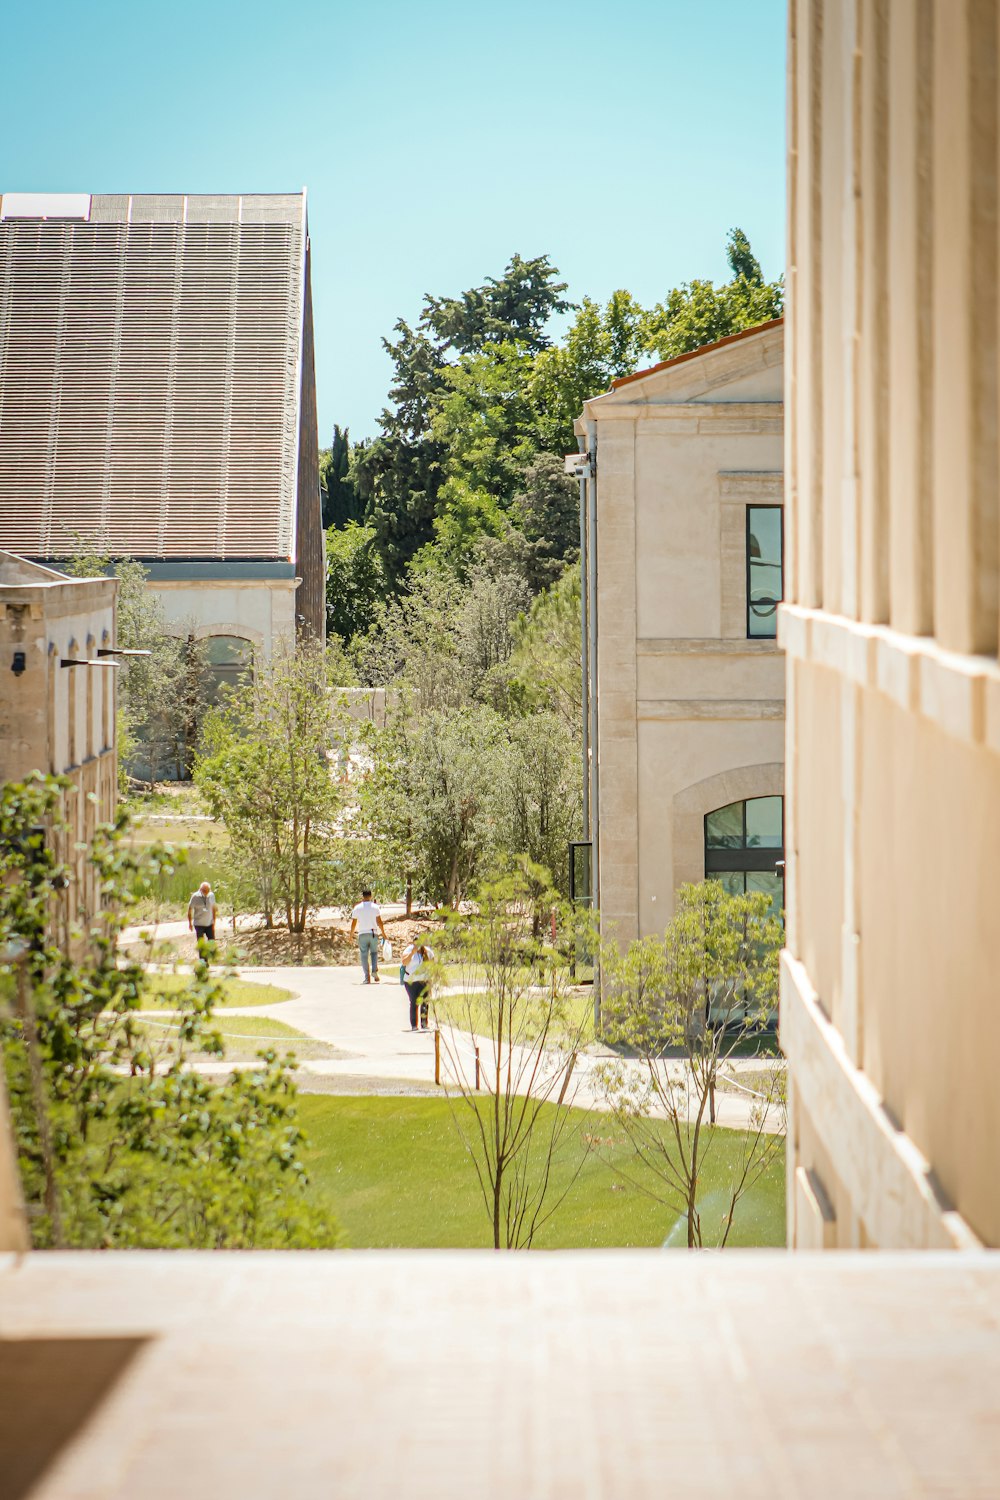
{"x": 437, "y": 1054}
{"x": 477, "y": 1070}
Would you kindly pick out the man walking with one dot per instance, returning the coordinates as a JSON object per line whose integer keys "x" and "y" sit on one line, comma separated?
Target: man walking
{"x": 366, "y": 921}
{"x": 202, "y": 912}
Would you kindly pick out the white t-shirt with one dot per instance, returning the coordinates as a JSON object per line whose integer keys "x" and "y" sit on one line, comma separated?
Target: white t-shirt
{"x": 415, "y": 962}
{"x": 366, "y": 914}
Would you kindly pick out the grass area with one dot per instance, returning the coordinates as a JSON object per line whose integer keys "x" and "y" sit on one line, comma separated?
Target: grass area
{"x": 394, "y": 1173}
{"x": 245, "y": 1036}
{"x": 162, "y": 990}
{"x": 472, "y": 1013}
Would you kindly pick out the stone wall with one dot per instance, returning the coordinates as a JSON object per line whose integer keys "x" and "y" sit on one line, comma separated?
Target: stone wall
{"x": 889, "y": 992}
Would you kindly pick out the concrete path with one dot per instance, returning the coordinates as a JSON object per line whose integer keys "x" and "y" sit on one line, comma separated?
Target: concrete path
{"x": 368, "y": 1025}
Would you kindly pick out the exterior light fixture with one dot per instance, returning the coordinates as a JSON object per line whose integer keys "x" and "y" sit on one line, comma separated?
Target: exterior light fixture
{"x": 119, "y": 651}
{"x": 80, "y": 661}
{"x": 18, "y": 663}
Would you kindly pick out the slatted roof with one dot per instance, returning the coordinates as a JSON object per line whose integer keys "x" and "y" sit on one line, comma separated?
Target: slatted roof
{"x": 150, "y": 374}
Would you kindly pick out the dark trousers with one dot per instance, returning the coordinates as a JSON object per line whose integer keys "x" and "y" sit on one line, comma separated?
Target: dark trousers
{"x": 204, "y": 932}
{"x": 414, "y": 989}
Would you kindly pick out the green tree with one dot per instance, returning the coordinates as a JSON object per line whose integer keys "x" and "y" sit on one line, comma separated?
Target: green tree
{"x": 685, "y": 1005}
{"x": 545, "y": 670}
{"x": 701, "y": 313}
{"x": 355, "y": 580}
{"x": 511, "y": 1044}
{"x": 547, "y": 510}
{"x": 399, "y": 476}
{"x": 163, "y": 694}
{"x": 120, "y": 1142}
{"x": 601, "y": 344}
{"x": 341, "y": 502}
{"x": 542, "y": 794}
{"x": 266, "y": 772}
{"x": 516, "y": 307}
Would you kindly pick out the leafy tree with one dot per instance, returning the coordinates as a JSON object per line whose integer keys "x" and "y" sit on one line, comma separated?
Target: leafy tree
{"x": 164, "y": 694}
{"x": 601, "y": 344}
{"x": 511, "y": 1043}
{"x": 341, "y": 502}
{"x": 452, "y": 774}
{"x": 701, "y": 313}
{"x": 542, "y": 792}
{"x": 547, "y": 509}
{"x": 355, "y": 580}
{"x": 544, "y": 669}
{"x": 266, "y": 772}
{"x": 400, "y": 475}
{"x": 516, "y": 307}
{"x": 684, "y": 1005}
{"x": 120, "y": 1142}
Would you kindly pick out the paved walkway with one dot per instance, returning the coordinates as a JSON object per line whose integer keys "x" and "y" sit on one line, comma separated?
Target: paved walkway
{"x": 368, "y": 1025}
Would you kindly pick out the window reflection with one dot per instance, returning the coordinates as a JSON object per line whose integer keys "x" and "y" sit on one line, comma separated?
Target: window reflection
{"x": 764, "y": 571}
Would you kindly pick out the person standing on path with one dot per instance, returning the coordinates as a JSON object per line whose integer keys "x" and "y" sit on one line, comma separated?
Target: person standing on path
{"x": 202, "y": 912}
{"x": 417, "y": 983}
{"x": 366, "y": 921}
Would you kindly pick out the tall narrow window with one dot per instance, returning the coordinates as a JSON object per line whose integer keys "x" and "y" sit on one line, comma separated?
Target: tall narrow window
{"x": 764, "y": 557}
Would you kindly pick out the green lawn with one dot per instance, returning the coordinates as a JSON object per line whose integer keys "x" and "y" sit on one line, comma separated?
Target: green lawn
{"x": 472, "y": 1013}
{"x": 245, "y": 1036}
{"x": 394, "y": 1173}
{"x": 162, "y": 991}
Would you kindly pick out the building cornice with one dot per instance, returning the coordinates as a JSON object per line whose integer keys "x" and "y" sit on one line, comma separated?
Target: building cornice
{"x": 958, "y": 693}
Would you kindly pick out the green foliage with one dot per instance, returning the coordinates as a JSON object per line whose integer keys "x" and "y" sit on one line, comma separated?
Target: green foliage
{"x": 119, "y": 1144}
{"x": 530, "y": 1036}
{"x": 480, "y": 391}
{"x": 544, "y": 671}
{"x": 266, "y": 772}
{"x": 601, "y": 344}
{"x": 342, "y": 503}
{"x": 355, "y": 580}
{"x": 164, "y": 695}
{"x": 684, "y": 1005}
{"x": 515, "y": 307}
{"x": 701, "y": 313}
{"x": 547, "y": 510}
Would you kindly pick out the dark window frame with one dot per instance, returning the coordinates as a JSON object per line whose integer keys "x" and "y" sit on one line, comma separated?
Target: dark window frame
{"x": 759, "y": 857}
{"x": 781, "y": 563}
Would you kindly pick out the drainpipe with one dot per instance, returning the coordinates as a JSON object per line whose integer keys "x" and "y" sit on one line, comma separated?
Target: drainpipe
{"x": 595, "y": 785}
{"x": 584, "y": 651}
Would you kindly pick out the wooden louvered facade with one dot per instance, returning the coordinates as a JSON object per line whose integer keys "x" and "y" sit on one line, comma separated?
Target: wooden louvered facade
{"x": 156, "y": 391}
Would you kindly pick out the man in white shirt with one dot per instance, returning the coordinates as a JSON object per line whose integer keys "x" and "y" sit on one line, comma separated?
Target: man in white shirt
{"x": 202, "y": 912}
{"x": 366, "y": 921}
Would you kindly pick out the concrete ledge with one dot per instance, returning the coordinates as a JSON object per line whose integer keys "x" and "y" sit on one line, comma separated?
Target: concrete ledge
{"x": 441, "y": 1375}
{"x": 961, "y": 694}
{"x": 890, "y": 1183}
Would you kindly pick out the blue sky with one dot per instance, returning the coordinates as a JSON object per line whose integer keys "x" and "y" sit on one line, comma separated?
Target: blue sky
{"x": 435, "y": 140}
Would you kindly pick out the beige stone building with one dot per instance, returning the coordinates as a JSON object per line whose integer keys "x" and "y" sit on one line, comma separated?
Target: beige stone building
{"x": 57, "y": 693}
{"x": 890, "y": 1009}
{"x": 686, "y": 681}
{"x": 158, "y": 400}
{"x": 57, "y": 714}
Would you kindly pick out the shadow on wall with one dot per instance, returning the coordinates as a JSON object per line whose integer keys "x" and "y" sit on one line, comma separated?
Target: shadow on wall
{"x": 50, "y": 1389}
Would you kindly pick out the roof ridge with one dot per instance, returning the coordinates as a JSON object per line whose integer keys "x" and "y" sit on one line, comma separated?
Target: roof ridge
{"x": 679, "y": 359}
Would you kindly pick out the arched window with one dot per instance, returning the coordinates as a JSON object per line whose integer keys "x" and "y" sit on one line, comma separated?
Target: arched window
{"x": 229, "y": 657}
{"x": 745, "y": 847}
